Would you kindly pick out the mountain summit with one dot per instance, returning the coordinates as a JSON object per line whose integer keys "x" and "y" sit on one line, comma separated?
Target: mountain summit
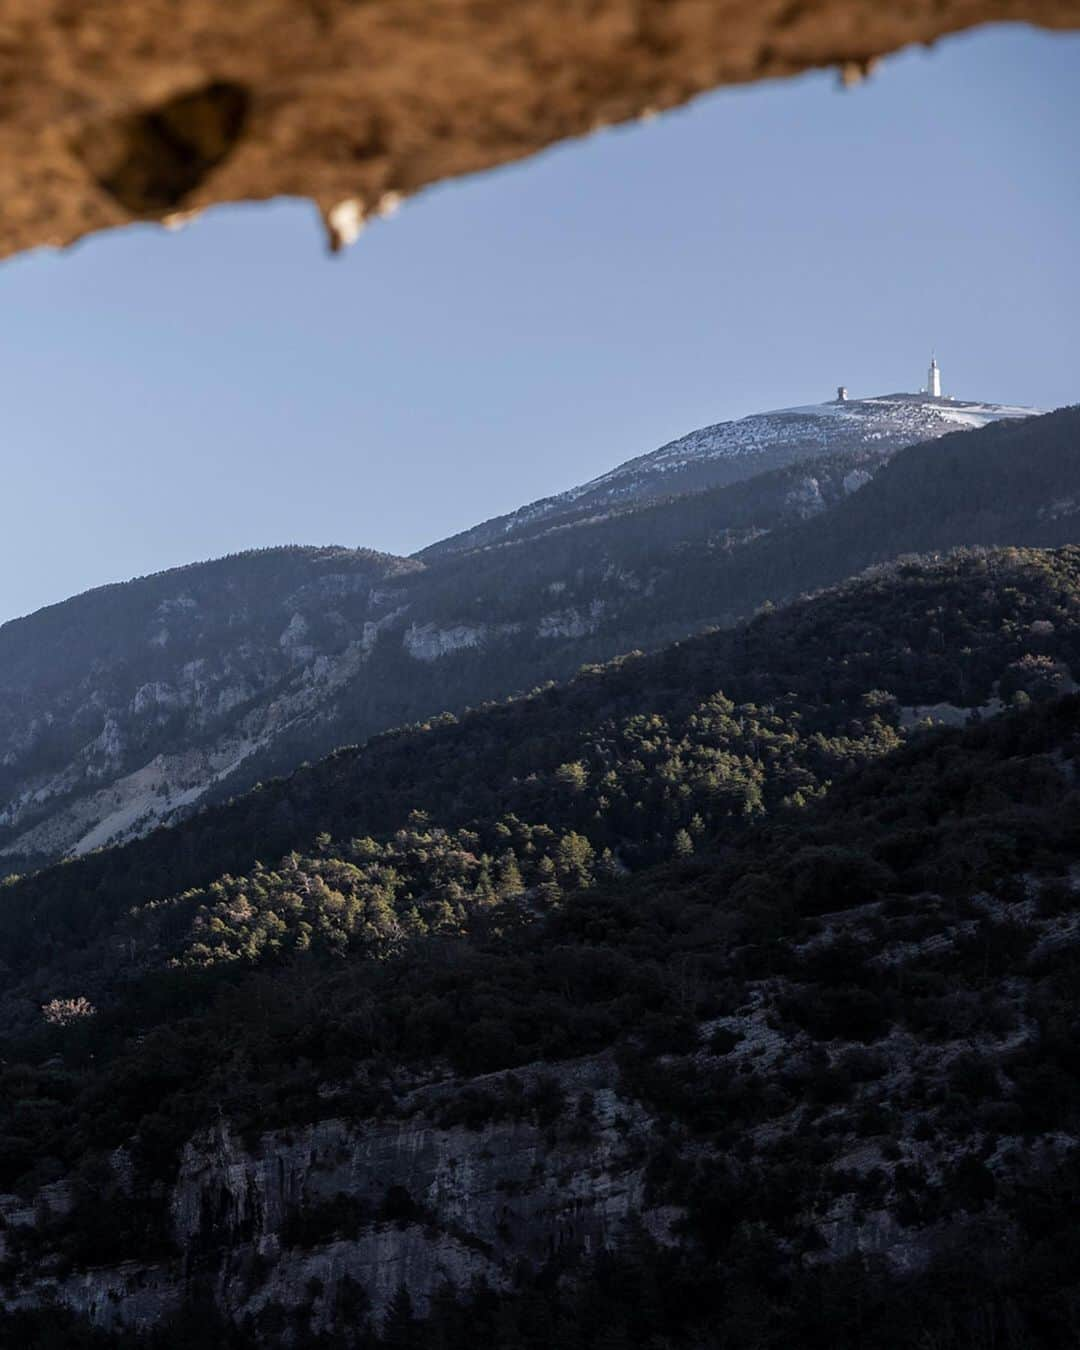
{"x": 728, "y": 452}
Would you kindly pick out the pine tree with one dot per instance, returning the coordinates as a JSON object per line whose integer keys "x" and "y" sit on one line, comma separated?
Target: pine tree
{"x": 510, "y": 883}
{"x": 573, "y": 776}
{"x": 549, "y": 888}
{"x": 607, "y": 868}
{"x": 683, "y": 845}
{"x": 484, "y": 893}
{"x": 575, "y": 860}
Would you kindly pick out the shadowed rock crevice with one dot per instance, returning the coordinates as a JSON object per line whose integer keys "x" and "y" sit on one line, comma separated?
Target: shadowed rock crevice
{"x": 151, "y": 160}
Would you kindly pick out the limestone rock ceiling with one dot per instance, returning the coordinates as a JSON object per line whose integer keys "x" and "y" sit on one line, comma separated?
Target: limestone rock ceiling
{"x": 121, "y": 110}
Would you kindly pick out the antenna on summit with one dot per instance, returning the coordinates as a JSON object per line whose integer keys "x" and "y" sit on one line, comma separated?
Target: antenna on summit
{"x": 933, "y": 378}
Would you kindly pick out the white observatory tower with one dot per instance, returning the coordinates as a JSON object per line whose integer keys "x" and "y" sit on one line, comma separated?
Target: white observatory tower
{"x": 933, "y": 379}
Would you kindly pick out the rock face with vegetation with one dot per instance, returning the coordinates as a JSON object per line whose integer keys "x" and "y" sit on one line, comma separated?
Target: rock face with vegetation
{"x": 682, "y": 1001}
{"x": 133, "y": 705}
{"x": 122, "y": 111}
{"x": 300, "y": 1225}
{"x": 124, "y": 704}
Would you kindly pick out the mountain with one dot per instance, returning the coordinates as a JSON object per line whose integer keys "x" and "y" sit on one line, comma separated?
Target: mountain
{"x": 683, "y": 1001}
{"x": 132, "y": 705}
{"x": 123, "y": 704}
{"x": 729, "y": 452}
{"x": 967, "y": 632}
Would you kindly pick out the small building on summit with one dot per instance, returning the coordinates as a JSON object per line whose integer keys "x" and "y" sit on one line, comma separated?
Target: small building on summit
{"x": 933, "y": 378}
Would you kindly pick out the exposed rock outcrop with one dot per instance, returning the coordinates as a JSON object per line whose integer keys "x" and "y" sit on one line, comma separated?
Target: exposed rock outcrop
{"x": 121, "y": 111}
{"x": 375, "y": 1204}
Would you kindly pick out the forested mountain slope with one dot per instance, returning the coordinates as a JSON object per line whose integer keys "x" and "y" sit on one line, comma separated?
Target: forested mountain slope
{"x": 132, "y": 705}
{"x": 1014, "y": 483}
{"x": 818, "y": 1041}
{"x": 823, "y": 682}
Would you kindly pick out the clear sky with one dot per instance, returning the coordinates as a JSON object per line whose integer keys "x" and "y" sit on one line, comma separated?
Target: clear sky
{"x": 172, "y": 397}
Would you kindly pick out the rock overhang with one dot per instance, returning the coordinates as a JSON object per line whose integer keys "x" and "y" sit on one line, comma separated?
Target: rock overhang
{"x": 126, "y": 110}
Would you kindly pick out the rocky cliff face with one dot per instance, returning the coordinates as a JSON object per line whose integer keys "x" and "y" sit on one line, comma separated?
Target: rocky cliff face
{"x": 297, "y": 1222}
{"x": 121, "y": 707}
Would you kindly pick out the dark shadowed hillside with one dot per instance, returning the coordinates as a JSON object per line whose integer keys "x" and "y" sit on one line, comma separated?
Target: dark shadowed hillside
{"x": 717, "y": 961}
{"x": 830, "y": 678}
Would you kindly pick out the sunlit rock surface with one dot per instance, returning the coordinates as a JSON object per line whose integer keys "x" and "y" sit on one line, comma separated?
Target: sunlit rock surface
{"x": 120, "y": 111}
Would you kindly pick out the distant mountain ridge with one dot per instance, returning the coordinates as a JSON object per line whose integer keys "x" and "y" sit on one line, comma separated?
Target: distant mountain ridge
{"x": 728, "y": 452}
{"x": 130, "y": 706}
{"x": 121, "y": 705}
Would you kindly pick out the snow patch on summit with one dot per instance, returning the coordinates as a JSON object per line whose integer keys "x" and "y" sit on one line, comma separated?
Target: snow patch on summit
{"x": 728, "y": 452}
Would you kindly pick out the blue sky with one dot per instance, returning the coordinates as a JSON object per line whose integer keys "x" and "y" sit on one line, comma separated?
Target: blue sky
{"x": 171, "y": 397}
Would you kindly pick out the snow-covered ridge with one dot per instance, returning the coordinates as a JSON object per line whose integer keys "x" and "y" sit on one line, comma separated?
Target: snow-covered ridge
{"x": 823, "y": 427}
{"x": 831, "y": 426}
{"x": 729, "y": 451}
